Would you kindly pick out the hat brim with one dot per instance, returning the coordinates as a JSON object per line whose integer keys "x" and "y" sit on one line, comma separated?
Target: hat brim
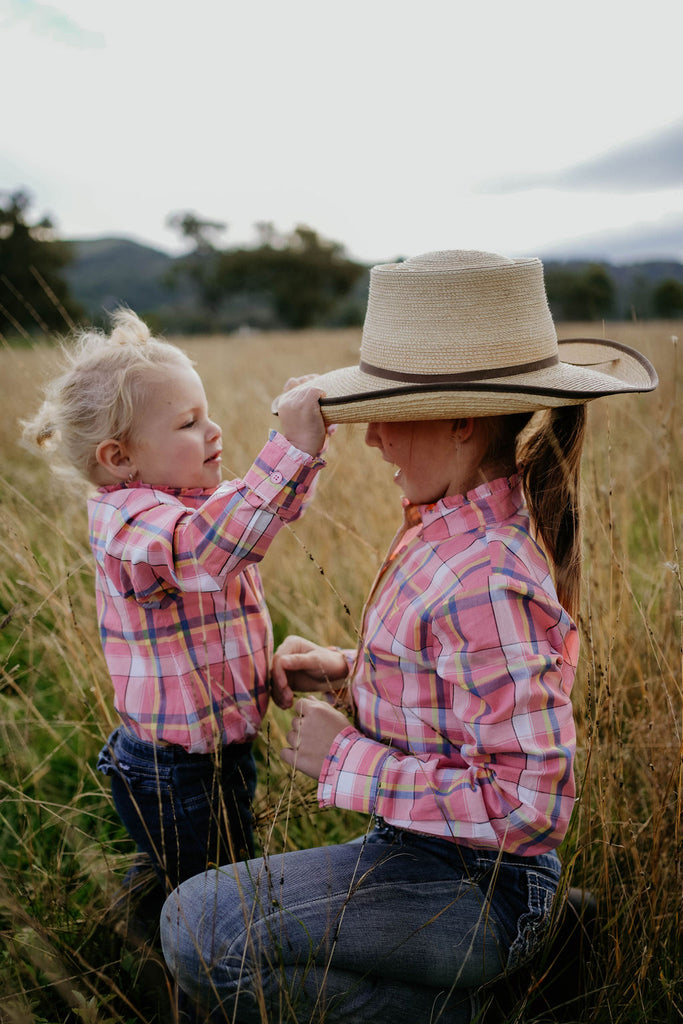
{"x": 588, "y": 368}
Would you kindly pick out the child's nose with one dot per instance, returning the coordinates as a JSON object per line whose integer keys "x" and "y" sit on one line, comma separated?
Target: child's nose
{"x": 213, "y": 431}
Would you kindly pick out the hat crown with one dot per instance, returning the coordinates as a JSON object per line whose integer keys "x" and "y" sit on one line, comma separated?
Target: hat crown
{"x": 451, "y": 259}
{"x": 457, "y": 311}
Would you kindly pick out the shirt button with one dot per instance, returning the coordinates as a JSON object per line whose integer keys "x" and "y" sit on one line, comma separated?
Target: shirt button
{"x": 276, "y": 476}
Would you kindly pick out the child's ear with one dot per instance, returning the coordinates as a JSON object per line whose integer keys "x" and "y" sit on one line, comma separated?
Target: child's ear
{"x": 112, "y": 456}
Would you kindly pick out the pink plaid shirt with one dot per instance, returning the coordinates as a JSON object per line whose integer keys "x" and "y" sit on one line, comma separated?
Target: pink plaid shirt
{"x": 464, "y": 725}
{"x": 184, "y": 625}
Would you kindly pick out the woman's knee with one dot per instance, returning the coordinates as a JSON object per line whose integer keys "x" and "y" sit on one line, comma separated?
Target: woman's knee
{"x": 181, "y": 930}
{"x": 205, "y": 933}
{"x": 194, "y": 921}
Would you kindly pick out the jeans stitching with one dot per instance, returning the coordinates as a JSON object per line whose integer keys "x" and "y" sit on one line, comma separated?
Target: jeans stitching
{"x": 533, "y": 926}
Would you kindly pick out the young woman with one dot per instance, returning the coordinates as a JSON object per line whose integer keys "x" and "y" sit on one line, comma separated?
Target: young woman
{"x": 458, "y": 737}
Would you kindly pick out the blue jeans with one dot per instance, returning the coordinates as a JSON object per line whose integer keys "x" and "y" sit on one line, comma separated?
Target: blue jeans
{"x": 395, "y": 927}
{"x": 185, "y": 811}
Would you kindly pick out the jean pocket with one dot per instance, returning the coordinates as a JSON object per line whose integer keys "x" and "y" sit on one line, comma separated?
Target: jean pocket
{"x": 106, "y": 760}
{"x": 532, "y": 927}
{"x": 138, "y": 770}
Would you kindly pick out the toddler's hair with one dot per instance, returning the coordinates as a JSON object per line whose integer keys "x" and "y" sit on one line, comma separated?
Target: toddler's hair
{"x": 98, "y": 394}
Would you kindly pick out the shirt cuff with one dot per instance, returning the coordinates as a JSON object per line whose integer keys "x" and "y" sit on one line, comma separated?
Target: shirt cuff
{"x": 281, "y": 476}
{"x": 351, "y": 772}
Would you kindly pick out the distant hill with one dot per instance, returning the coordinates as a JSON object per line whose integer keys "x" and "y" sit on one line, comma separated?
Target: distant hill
{"x": 624, "y": 275}
{"x": 108, "y": 272}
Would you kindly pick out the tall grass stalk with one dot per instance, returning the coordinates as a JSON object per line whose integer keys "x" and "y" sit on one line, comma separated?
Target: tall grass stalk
{"x": 62, "y": 850}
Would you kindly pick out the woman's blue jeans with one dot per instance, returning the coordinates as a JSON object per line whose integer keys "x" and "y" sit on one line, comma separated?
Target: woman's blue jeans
{"x": 185, "y": 811}
{"x": 395, "y": 927}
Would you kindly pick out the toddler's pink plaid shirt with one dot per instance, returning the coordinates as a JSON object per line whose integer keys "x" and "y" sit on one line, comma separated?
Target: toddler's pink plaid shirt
{"x": 183, "y": 621}
{"x": 462, "y": 687}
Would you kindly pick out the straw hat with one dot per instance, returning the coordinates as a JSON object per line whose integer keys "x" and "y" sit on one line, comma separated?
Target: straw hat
{"x": 464, "y": 333}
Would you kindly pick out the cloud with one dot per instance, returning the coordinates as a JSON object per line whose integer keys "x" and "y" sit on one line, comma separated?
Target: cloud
{"x": 651, "y": 240}
{"x": 45, "y": 20}
{"x": 651, "y": 163}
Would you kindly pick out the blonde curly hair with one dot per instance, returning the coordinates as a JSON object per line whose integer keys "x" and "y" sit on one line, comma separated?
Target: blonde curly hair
{"x": 98, "y": 394}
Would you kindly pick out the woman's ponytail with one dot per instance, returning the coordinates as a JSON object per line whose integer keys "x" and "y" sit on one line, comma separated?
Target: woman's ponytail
{"x": 550, "y": 465}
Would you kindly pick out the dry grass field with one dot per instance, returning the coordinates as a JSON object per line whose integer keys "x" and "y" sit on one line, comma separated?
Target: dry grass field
{"x": 61, "y": 848}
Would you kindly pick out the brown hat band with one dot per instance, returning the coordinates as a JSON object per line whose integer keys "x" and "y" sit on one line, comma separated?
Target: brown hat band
{"x": 454, "y": 378}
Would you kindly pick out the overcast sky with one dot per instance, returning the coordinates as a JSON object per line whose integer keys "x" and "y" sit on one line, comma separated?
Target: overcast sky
{"x": 392, "y": 126}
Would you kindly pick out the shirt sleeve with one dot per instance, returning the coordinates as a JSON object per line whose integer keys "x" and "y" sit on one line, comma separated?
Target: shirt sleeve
{"x": 503, "y": 671}
{"x": 156, "y": 548}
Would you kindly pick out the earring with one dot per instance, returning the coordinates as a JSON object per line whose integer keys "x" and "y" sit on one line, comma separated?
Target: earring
{"x": 131, "y": 476}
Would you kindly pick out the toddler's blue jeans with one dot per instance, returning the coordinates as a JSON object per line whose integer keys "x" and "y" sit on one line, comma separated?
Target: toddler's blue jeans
{"x": 394, "y": 927}
{"x": 185, "y": 811}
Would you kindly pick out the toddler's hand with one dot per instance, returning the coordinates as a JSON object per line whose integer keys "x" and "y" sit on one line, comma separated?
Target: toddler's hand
{"x": 293, "y": 382}
{"x": 301, "y": 420}
{"x": 301, "y": 665}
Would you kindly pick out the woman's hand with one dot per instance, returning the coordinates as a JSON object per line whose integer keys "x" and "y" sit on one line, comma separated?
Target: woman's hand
{"x": 302, "y": 666}
{"x": 312, "y": 731}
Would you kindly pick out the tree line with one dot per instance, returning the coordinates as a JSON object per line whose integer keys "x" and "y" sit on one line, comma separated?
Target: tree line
{"x": 286, "y": 281}
{"x": 292, "y": 280}
{"x": 589, "y": 292}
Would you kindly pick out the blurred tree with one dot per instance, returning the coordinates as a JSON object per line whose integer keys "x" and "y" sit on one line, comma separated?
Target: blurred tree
{"x": 33, "y": 293}
{"x": 198, "y": 266}
{"x": 593, "y": 295}
{"x": 288, "y": 281}
{"x": 637, "y": 297}
{"x": 267, "y": 234}
{"x": 558, "y": 281}
{"x": 586, "y": 294}
{"x": 667, "y": 299}
{"x": 302, "y": 281}
{"x": 196, "y": 229}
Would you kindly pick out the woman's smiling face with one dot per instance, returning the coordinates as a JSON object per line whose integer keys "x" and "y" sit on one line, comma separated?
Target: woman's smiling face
{"x": 426, "y": 456}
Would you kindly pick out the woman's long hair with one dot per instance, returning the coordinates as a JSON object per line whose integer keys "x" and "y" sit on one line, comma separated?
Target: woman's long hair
{"x": 549, "y": 461}
{"x": 546, "y": 447}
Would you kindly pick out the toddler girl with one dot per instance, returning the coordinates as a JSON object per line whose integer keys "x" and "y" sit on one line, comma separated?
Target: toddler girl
{"x": 183, "y": 621}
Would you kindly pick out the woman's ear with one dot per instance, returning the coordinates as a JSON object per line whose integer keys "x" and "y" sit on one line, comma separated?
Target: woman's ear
{"x": 462, "y": 429}
{"x": 112, "y": 456}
